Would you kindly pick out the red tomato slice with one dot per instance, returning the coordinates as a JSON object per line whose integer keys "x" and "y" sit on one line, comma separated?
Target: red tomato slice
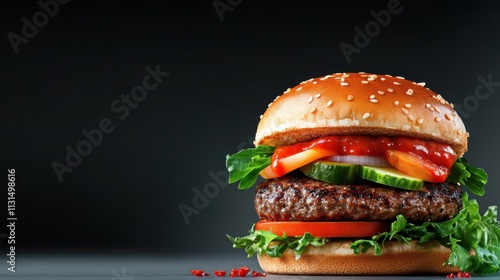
{"x": 417, "y": 167}
{"x": 324, "y": 229}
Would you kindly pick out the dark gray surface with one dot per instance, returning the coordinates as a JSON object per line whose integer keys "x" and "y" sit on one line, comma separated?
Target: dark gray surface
{"x": 144, "y": 268}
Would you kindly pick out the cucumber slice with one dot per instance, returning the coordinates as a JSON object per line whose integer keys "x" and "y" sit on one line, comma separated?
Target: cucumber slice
{"x": 331, "y": 172}
{"x": 391, "y": 177}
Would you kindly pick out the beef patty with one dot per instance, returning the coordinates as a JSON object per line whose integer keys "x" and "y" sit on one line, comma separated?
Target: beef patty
{"x": 299, "y": 198}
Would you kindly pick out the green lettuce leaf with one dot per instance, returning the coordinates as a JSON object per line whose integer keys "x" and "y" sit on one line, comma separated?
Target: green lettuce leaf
{"x": 467, "y": 175}
{"x": 258, "y": 242}
{"x": 246, "y": 165}
{"x": 466, "y": 232}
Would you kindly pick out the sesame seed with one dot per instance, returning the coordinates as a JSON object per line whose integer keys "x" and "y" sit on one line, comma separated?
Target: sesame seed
{"x": 373, "y": 100}
{"x": 390, "y": 90}
{"x": 371, "y": 78}
{"x": 344, "y": 84}
{"x": 411, "y": 118}
{"x": 303, "y": 82}
{"x": 420, "y": 121}
{"x": 442, "y": 101}
{"x": 380, "y": 92}
{"x": 315, "y": 82}
{"x": 269, "y": 105}
{"x": 438, "y": 119}
{"x": 366, "y": 116}
{"x": 299, "y": 88}
{"x": 421, "y": 84}
{"x": 408, "y": 105}
{"x": 318, "y": 95}
{"x": 452, "y": 105}
{"x": 310, "y": 99}
{"x": 337, "y": 78}
{"x": 396, "y": 83}
{"x": 313, "y": 110}
{"x": 342, "y": 79}
{"x": 260, "y": 117}
{"x": 362, "y": 72}
{"x": 364, "y": 82}
{"x": 460, "y": 132}
{"x": 405, "y": 111}
{"x": 287, "y": 91}
{"x": 427, "y": 105}
{"x": 468, "y": 134}
{"x": 388, "y": 75}
{"x": 329, "y": 103}
{"x": 372, "y": 96}
{"x": 396, "y": 103}
{"x": 399, "y": 77}
{"x": 355, "y": 122}
{"x": 350, "y": 97}
{"x": 383, "y": 79}
{"x": 447, "y": 116}
{"x": 405, "y": 127}
{"x": 409, "y": 91}
{"x": 437, "y": 109}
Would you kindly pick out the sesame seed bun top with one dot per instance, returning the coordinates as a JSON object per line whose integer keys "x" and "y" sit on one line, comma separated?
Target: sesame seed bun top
{"x": 360, "y": 104}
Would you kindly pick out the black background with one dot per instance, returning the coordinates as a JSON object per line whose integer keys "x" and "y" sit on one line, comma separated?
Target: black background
{"x": 124, "y": 197}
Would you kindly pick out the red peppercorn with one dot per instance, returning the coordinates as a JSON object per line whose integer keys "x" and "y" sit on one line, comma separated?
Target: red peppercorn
{"x": 258, "y": 274}
{"x": 199, "y": 272}
{"x": 220, "y": 273}
{"x": 243, "y": 271}
{"x": 451, "y": 275}
{"x": 463, "y": 274}
{"x": 233, "y": 273}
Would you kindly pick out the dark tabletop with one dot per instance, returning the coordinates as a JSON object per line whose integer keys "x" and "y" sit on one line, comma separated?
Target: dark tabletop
{"x": 149, "y": 267}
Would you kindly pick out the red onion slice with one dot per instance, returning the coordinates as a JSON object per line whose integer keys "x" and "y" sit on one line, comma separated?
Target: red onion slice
{"x": 359, "y": 160}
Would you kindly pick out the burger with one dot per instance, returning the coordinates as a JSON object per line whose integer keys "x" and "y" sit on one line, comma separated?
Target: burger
{"x": 364, "y": 174}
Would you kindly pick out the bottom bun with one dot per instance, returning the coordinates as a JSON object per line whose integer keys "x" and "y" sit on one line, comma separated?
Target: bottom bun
{"x": 337, "y": 258}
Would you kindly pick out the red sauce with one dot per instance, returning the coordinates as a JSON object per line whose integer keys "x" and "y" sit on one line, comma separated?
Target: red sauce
{"x": 439, "y": 154}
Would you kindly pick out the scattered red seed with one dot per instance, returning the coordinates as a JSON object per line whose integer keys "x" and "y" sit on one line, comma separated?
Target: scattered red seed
{"x": 243, "y": 271}
{"x": 465, "y": 275}
{"x": 233, "y": 273}
{"x": 258, "y": 274}
{"x": 220, "y": 273}
{"x": 459, "y": 274}
{"x": 199, "y": 272}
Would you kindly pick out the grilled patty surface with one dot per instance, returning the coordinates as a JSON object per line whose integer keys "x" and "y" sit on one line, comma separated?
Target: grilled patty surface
{"x": 299, "y": 198}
